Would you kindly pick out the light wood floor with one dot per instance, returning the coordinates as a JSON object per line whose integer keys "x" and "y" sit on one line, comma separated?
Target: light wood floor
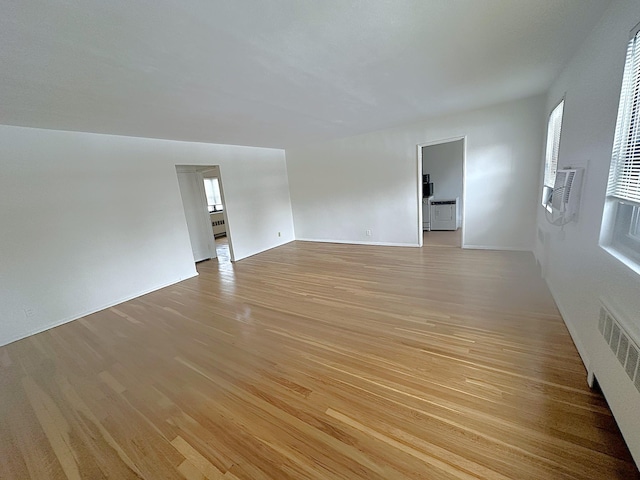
{"x": 314, "y": 361}
{"x": 443, "y": 238}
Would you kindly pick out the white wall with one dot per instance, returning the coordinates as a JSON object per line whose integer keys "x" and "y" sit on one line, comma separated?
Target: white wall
{"x": 341, "y": 188}
{"x": 578, "y": 271}
{"x": 88, "y": 221}
{"x": 443, "y": 162}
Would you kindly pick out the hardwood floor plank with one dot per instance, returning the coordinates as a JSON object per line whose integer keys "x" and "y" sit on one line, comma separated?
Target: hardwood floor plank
{"x": 315, "y": 361}
{"x": 191, "y": 472}
{"x": 54, "y": 426}
{"x": 462, "y": 471}
{"x": 197, "y": 459}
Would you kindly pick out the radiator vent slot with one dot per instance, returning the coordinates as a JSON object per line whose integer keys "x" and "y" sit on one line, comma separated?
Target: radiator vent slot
{"x": 623, "y": 349}
{"x": 623, "y": 345}
{"x": 603, "y": 318}
{"x": 632, "y": 361}
{"x": 615, "y": 338}
{"x": 608, "y": 325}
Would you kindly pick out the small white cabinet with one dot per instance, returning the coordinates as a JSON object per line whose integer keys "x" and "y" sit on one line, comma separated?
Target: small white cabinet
{"x": 444, "y": 214}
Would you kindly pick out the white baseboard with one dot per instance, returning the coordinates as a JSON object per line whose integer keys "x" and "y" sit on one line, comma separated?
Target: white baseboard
{"x": 237, "y": 259}
{"x": 495, "y": 247}
{"x": 391, "y": 244}
{"x": 582, "y": 351}
{"x": 357, "y": 242}
{"x": 9, "y": 340}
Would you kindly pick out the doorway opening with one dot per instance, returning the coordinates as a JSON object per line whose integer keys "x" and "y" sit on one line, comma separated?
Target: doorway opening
{"x": 441, "y": 192}
{"x": 202, "y": 192}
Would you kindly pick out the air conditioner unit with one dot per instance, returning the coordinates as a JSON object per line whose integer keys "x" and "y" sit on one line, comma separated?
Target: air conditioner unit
{"x": 565, "y": 199}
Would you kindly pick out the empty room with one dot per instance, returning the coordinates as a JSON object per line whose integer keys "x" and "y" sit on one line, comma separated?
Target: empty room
{"x": 338, "y": 239}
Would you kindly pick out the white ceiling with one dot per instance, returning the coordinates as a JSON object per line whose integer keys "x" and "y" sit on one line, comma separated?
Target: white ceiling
{"x": 274, "y": 72}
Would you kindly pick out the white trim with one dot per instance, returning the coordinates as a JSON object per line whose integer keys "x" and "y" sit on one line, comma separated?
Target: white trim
{"x": 627, "y": 261}
{"x": 225, "y": 216}
{"x": 634, "y": 31}
{"x": 92, "y": 311}
{"x": 181, "y": 168}
{"x": 262, "y": 251}
{"x": 420, "y": 197}
{"x": 357, "y": 242}
{"x": 496, "y": 247}
{"x": 582, "y": 351}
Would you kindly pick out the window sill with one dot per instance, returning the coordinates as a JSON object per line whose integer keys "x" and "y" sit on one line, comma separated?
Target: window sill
{"x": 619, "y": 254}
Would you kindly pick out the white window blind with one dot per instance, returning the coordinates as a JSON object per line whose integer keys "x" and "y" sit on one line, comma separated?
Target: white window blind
{"x": 553, "y": 145}
{"x": 624, "y": 176}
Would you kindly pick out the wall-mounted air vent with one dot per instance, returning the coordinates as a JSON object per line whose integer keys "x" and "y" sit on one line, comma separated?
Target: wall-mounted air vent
{"x": 621, "y": 343}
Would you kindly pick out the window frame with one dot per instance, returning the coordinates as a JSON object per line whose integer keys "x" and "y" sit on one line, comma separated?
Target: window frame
{"x": 620, "y": 231}
{"x": 216, "y": 193}
{"x": 634, "y": 228}
{"x": 551, "y": 155}
{"x": 625, "y": 235}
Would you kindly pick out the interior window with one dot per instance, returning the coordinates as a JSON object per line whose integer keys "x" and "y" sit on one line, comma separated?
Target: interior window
{"x": 214, "y": 199}
{"x": 554, "y": 128}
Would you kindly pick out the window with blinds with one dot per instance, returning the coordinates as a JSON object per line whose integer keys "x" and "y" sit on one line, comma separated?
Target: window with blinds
{"x": 623, "y": 189}
{"x": 624, "y": 176}
{"x": 554, "y": 129}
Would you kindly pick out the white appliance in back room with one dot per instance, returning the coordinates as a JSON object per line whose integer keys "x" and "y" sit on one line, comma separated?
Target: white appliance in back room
{"x": 445, "y": 214}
